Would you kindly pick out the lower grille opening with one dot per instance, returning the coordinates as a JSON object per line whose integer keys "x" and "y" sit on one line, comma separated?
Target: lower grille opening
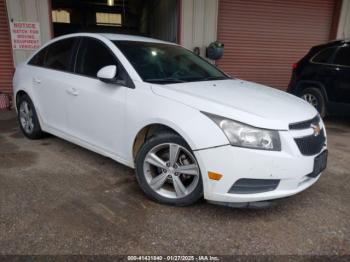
{"x": 252, "y": 186}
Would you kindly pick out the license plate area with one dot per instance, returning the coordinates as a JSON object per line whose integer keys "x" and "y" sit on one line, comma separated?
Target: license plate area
{"x": 320, "y": 164}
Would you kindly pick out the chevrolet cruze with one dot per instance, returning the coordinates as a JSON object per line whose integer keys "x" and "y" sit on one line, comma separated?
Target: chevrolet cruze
{"x": 188, "y": 129}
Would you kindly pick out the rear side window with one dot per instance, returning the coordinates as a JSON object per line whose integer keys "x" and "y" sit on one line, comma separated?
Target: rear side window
{"x": 57, "y": 56}
{"x": 324, "y": 56}
{"x": 92, "y": 56}
{"x": 343, "y": 56}
{"x": 39, "y": 58}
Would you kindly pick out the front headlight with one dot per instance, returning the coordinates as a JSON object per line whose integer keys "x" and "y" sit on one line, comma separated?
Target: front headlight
{"x": 243, "y": 135}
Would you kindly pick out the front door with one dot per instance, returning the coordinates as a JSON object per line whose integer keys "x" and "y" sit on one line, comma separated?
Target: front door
{"x": 95, "y": 108}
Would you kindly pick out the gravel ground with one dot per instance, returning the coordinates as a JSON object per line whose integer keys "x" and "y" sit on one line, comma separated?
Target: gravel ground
{"x": 58, "y": 198}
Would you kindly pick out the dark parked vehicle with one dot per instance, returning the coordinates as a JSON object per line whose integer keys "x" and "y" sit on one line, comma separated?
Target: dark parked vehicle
{"x": 322, "y": 78}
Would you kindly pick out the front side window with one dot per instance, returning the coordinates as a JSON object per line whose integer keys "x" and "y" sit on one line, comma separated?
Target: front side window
{"x": 92, "y": 56}
{"x": 324, "y": 56}
{"x": 343, "y": 56}
{"x": 166, "y": 63}
{"x": 57, "y": 55}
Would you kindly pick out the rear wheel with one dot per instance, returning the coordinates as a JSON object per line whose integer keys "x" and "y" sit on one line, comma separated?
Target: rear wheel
{"x": 28, "y": 119}
{"x": 315, "y": 98}
{"x": 168, "y": 172}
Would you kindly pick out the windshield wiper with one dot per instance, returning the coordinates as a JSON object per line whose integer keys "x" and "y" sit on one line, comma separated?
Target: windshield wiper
{"x": 208, "y": 78}
{"x": 165, "y": 80}
{"x": 215, "y": 78}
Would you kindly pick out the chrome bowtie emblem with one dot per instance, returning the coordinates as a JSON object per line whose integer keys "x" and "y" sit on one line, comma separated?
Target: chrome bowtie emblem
{"x": 316, "y": 128}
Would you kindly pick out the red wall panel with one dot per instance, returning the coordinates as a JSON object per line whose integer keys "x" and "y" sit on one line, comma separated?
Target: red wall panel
{"x": 6, "y": 58}
{"x": 263, "y": 38}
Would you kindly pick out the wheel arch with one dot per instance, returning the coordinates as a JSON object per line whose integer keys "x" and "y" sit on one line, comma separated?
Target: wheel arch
{"x": 18, "y": 94}
{"x": 151, "y": 129}
{"x": 311, "y": 84}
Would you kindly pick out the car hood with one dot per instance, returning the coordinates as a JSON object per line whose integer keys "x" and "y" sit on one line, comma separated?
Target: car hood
{"x": 243, "y": 101}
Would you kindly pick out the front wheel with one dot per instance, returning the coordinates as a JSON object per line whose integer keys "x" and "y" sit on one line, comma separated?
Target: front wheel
{"x": 315, "y": 98}
{"x": 168, "y": 172}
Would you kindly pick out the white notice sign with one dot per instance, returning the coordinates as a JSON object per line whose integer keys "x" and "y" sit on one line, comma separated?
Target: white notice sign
{"x": 25, "y": 35}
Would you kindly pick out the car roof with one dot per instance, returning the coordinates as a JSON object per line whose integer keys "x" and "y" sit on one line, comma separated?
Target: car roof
{"x": 123, "y": 37}
{"x": 336, "y": 42}
{"x": 117, "y": 37}
{"x": 109, "y": 36}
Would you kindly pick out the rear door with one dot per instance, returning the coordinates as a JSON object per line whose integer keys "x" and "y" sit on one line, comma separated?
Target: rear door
{"x": 342, "y": 74}
{"x": 52, "y": 75}
{"x": 95, "y": 108}
{"x": 321, "y": 70}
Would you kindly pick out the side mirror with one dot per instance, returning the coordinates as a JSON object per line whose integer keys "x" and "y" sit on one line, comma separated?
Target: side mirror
{"x": 107, "y": 73}
{"x": 215, "y": 50}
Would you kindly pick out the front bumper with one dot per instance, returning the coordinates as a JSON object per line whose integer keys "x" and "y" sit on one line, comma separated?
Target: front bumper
{"x": 234, "y": 163}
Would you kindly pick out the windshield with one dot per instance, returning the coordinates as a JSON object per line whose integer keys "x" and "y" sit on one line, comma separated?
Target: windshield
{"x": 165, "y": 63}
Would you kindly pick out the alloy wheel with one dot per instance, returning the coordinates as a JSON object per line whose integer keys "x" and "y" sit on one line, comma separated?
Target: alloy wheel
{"x": 26, "y": 117}
{"x": 171, "y": 170}
{"x": 311, "y": 99}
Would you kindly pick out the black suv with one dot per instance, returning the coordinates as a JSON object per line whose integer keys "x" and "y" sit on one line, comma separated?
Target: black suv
{"x": 322, "y": 78}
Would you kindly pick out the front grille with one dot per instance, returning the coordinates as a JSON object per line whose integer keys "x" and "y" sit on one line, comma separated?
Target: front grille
{"x": 311, "y": 145}
{"x": 305, "y": 124}
{"x": 253, "y": 186}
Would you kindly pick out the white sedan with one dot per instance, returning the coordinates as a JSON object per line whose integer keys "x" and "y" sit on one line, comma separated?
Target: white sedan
{"x": 188, "y": 129}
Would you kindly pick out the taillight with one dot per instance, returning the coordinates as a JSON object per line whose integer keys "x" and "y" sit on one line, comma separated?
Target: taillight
{"x": 295, "y": 66}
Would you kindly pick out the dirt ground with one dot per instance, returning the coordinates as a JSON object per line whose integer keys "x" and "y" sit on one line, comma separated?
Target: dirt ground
{"x": 58, "y": 198}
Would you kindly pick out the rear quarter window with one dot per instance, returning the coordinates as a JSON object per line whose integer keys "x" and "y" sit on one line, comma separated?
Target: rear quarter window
{"x": 57, "y": 55}
{"x": 324, "y": 56}
{"x": 39, "y": 58}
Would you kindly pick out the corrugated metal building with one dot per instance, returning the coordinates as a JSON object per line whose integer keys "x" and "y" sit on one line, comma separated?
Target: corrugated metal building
{"x": 6, "y": 61}
{"x": 262, "y": 37}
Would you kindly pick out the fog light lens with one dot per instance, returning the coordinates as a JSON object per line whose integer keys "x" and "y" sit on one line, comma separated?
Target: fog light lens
{"x": 214, "y": 176}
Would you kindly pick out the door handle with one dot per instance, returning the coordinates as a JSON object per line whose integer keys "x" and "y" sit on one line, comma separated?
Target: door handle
{"x": 72, "y": 91}
{"x": 37, "y": 80}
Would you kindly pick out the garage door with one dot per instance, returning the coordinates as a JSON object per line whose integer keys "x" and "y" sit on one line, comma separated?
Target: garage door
{"x": 6, "y": 60}
{"x": 263, "y": 38}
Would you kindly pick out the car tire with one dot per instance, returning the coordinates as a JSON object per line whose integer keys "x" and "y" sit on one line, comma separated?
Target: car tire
{"x": 315, "y": 97}
{"x": 170, "y": 192}
{"x": 28, "y": 119}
